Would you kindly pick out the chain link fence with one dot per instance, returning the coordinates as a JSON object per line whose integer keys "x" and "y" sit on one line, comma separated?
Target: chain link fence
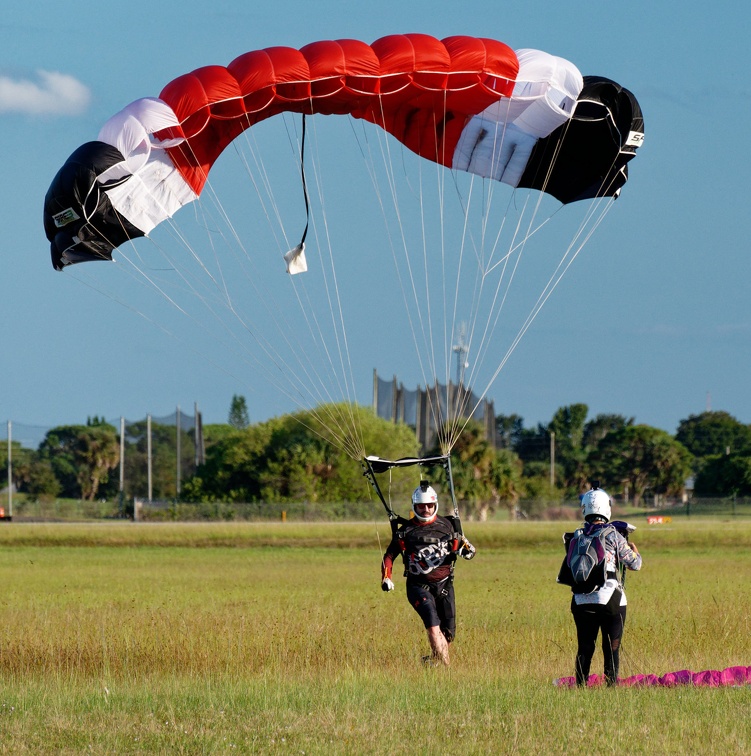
{"x": 142, "y": 510}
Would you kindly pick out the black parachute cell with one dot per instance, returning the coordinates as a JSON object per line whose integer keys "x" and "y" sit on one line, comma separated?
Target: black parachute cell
{"x": 79, "y": 220}
{"x": 587, "y": 156}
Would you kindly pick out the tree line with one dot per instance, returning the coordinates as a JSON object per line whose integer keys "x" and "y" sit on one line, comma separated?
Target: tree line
{"x": 289, "y": 459}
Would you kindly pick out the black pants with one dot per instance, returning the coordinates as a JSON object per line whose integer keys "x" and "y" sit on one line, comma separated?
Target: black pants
{"x": 436, "y": 605}
{"x": 590, "y": 620}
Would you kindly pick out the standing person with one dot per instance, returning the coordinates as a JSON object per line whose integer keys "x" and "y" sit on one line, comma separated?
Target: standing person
{"x": 429, "y": 545}
{"x": 604, "y": 608}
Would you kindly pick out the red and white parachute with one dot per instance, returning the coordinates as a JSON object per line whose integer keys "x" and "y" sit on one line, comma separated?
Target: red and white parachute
{"x": 471, "y": 107}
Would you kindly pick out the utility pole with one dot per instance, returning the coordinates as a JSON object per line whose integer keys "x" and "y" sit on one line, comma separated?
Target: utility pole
{"x": 552, "y": 460}
{"x": 178, "y": 452}
{"x": 10, "y": 469}
{"x": 121, "y": 492}
{"x": 148, "y": 455}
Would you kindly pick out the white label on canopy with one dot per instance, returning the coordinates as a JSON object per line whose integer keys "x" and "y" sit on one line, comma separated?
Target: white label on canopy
{"x": 64, "y": 217}
{"x": 635, "y": 139}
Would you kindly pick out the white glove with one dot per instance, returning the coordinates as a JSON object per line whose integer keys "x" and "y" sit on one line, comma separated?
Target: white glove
{"x": 387, "y": 584}
{"x": 467, "y": 550}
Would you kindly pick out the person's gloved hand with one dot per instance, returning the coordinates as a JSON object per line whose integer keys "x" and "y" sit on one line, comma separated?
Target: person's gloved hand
{"x": 387, "y": 584}
{"x": 467, "y": 550}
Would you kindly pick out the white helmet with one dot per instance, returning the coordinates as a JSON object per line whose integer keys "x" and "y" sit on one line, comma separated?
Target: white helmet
{"x": 596, "y": 502}
{"x": 424, "y": 494}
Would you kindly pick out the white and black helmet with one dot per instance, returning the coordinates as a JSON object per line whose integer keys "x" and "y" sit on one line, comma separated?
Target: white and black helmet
{"x": 596, "y": 503}
{"x": 424, "y": 494}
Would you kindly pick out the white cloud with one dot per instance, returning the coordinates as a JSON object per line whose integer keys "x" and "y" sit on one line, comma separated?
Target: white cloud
{"x": 51, "y": 94}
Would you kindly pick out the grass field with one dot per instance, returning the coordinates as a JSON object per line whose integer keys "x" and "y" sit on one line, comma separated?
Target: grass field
{"x": 253, "y": 638}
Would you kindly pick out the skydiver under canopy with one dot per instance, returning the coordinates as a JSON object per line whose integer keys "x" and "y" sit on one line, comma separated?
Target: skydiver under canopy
{"x": 429, "y": 545}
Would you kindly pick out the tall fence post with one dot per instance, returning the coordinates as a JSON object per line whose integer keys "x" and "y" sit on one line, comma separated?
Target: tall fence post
{"x": 10, "y": 470}
{"x": 148, "y": 455}
{"x": 552, "y": 461}
{"x": 178, "y": 452}
{"x": 121, "y": 491}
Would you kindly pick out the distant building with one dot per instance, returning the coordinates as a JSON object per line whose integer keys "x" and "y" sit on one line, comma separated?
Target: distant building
{"x": 426, "y": 409}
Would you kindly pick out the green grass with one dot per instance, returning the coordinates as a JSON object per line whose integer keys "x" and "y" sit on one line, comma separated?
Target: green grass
{"x": 252, "y": 638}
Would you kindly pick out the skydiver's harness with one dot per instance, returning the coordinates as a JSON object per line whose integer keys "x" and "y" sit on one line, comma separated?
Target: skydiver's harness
{"x": 432, "y": 547}
{"x": 403, "y": 529}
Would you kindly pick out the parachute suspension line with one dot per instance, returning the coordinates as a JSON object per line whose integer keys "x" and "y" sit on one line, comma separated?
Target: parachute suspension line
{"x": 455, "y": 403}
{"x": 490, "y": 185}
{"x": 497, "y": 306}
{"x": 306, "y": 309}
{"x": 519, "y": 249}
{"x": 554, "y": 159}
{"x": 565, "y": 262}
{"x": 548, "y": 290}
{"x": 486, "y": 264}
{"x": 514, "y": 246}
{"x": 429, "y": 351}
{"x": 443, "y": 413}
{"x": 449, "y": 324}
{"x": 316, "y": 388}
{"x": 251, "y": 359}
{"x": 339, "y": 325}
{"x": 440, "y": 192}
{"x": 283, "y": 368}
{"x": 84, "y": 279}
{"x": 267, "y": 194}
{"x": 271, "y": 353}
{"x": 388, "y": 165}
{"x": 462, "y": 396}
{"x": 141, "y": 277}
{"x": 418, "y": 319}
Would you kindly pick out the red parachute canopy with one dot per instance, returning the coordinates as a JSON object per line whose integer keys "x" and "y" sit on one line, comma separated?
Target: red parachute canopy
{"x": 473, "y": 106}
{"x": 416, "y": 87}
{"x": 467, "y": 103}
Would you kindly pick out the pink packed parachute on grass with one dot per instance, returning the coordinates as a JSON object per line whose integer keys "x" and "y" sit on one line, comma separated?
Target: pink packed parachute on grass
{"x": 709, "y": 678}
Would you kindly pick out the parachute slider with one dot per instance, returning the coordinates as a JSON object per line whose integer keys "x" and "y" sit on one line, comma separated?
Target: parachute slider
{"x": 295, "y": 259}
{"x": 374, "y": 466}
{"x": 382, "y": 465}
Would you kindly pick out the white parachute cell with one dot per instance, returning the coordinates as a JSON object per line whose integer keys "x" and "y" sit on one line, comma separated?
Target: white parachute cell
{"x": 497, "y": 143}
{"x": 155, "y": 190}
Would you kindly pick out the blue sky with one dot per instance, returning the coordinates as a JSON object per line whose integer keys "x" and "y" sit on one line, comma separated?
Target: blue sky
{"x": 652, "y": 321}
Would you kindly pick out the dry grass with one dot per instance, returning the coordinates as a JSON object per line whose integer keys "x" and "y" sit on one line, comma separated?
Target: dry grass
{"x": 203, "y": 639}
